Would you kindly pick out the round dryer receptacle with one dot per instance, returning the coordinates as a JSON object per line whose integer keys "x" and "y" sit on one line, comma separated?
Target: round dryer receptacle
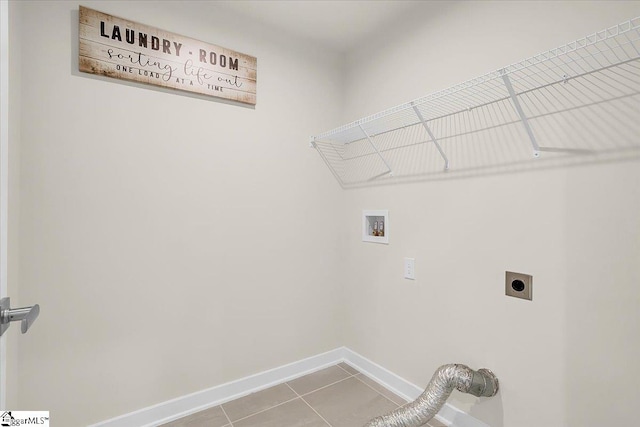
{"x": 517, "y": 285}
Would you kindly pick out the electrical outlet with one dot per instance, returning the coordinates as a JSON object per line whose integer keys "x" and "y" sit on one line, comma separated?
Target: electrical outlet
{"x": 518, "y": 285}
{"x": 410, "y": 268}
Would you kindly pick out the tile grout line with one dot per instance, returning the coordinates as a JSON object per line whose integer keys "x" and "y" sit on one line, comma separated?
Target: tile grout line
{"x": 399, "y": 406}
{"x": 301, "y": 397}
{"x": 225, "y": 414}
{"x": 290, "y": 400}
{"x": 356, "y": 376}
{"x": 328, "y": 385}
{"x": 338, "y": 365}
{"x": 265, "y": 410}
{"x": 339, "y": 381}
{"x": 309, "y": 405}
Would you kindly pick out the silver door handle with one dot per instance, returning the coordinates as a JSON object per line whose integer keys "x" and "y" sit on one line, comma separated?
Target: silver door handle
{"x": 26, "y": 315}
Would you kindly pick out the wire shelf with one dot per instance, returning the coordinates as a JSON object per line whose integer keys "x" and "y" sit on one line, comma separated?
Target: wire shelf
{"x": 575, "y": 101}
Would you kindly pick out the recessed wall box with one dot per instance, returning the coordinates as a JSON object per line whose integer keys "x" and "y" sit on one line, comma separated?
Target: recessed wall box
{"x": 375, "y": 226}
{"x": 518, "y": 285}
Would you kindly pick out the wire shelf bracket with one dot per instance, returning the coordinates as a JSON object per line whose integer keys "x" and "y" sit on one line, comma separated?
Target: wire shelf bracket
{"x": 390, "y": 171}
{"x": 521, "y": 114}
{"x": 433, "y": 138}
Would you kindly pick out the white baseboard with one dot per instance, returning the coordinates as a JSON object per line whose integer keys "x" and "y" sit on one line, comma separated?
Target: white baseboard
{"x": 186, "y": 405}
{"x": 450, "y": 415}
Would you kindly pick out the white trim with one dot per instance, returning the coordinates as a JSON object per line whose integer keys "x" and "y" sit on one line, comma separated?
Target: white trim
{"x": 453, "y": 416}
{"x": 189, "y": 404}
{"x": 384, "y": 377}
{"x": 449, "y": 414}
{"x": 4, "y": 181}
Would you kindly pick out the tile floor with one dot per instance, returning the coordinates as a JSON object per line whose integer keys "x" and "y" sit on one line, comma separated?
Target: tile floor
{"x": 338, "y": 396}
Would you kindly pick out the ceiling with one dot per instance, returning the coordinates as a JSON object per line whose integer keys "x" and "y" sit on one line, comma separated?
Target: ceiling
{"x": 338, "y": 25}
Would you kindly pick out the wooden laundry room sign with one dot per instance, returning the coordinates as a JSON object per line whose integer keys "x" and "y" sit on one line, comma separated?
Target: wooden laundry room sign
{"x": 122, "y": 49}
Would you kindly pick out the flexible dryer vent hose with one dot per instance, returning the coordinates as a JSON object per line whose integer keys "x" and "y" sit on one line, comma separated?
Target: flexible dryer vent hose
{"x": 479, "y": 383}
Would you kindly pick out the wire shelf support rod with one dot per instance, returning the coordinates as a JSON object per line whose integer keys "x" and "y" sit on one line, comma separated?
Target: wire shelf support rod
{"x": 390, "y": 171}
{"x": 431, "y": 135}
{"x": 520, "y": 111}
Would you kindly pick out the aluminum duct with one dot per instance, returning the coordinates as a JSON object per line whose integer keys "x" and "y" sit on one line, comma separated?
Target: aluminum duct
{"x": 479, "y": 383}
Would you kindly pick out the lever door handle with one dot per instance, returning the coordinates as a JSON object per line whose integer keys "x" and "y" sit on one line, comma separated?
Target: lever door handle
{"x": 26, "y": 315}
